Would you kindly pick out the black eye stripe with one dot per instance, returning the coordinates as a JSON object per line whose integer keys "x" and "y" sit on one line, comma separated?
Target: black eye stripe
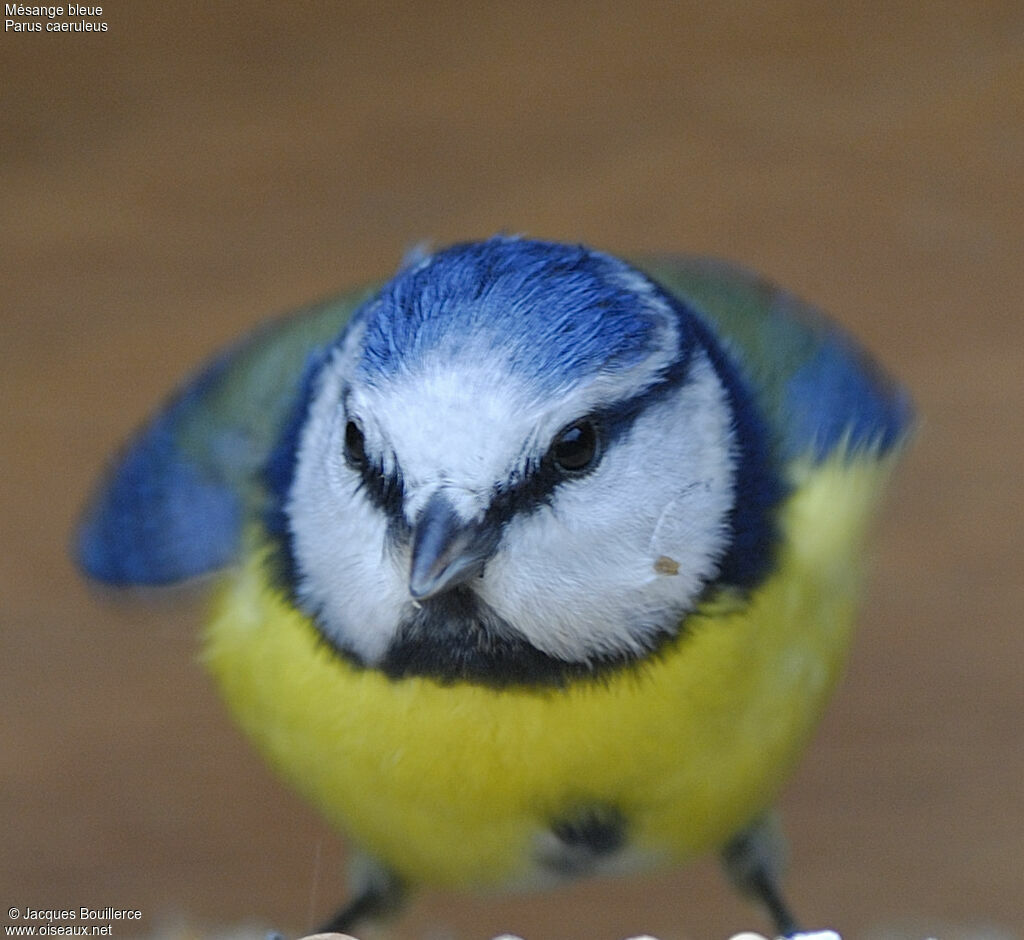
{"x": 536, "y": 486}
{"x": 384, "y": 490}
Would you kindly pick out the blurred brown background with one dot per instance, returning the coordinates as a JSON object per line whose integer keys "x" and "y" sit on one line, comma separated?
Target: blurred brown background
{"x": 167, "y": 183}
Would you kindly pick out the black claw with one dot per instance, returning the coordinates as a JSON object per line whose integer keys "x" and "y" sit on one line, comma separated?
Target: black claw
{"x": 767, "y": 892}
{"x": 378, "y": 898}
{"x": 753, "y": 860}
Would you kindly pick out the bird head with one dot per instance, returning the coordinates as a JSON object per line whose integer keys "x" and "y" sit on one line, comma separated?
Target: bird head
{"x": 520, "y": 462}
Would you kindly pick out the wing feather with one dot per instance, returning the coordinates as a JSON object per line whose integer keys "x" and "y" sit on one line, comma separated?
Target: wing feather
{"x": 173, "y": 504}
{"x": 818, "y": 388}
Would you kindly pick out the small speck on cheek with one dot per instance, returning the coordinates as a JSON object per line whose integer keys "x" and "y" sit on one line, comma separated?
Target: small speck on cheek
{"x": 665, "y": 565}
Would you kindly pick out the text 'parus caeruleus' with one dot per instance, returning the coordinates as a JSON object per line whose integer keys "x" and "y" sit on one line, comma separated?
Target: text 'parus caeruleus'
{"x": 534, "y": 563}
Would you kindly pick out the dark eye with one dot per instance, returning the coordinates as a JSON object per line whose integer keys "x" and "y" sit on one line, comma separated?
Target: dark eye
{"x": 575, "y": 449}
{"x": 355, "y": 445}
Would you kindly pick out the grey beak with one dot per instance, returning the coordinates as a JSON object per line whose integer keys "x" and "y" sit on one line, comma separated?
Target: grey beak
{"x": 445, "y": 550}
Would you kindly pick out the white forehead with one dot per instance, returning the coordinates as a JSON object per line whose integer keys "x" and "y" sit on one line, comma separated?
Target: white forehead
{"x": 463, "y": 417}
{"x": 464, "y": 428}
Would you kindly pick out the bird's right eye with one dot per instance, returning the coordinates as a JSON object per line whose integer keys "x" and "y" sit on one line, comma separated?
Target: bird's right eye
{"x": 576, "y": 448}
{"x": 355, "y": 446}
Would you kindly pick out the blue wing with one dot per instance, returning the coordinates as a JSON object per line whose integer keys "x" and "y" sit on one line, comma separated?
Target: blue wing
{"x": 174, "y": 503}
{"x": 817, "y": 387}
{"x": 840, "y": 397}
{"x": 163, "y": 514}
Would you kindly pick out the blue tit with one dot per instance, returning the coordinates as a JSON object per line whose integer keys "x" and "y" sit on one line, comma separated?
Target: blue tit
{"x": 531, "y": 563}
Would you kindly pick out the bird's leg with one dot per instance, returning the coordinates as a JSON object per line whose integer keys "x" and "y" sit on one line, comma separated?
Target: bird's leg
{"x": 753, "y": 861}
{"x": 377, "y": 893}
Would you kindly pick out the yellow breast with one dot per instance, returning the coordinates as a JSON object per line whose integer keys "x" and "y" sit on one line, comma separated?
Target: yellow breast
{"x": 456, "y": 785}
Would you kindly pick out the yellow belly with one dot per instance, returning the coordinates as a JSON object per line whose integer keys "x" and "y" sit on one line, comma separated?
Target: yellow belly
{"x": 456, "y": 785}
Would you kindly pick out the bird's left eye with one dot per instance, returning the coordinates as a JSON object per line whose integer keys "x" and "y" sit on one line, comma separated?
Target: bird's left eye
{"x": 355, "y": 445}
{"x": 576, "y": 448}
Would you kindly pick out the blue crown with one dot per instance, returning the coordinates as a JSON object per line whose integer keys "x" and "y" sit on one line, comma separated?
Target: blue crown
{"x": 551, "y": 312}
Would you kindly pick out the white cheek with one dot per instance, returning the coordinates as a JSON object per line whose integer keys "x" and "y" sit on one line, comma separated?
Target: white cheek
{"x": 623, "y": 553}
{"x": 617, "y": 557}
{"x": 348, "y": 578}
